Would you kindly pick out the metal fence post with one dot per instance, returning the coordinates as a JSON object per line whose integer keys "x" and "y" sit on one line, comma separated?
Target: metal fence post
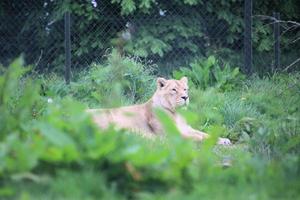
{"x": 248, "y": 36}
{"x": 276, "y": 30}
{"x": 67, "y": 48}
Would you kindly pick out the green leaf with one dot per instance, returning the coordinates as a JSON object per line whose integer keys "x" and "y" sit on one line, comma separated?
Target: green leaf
{"x": 177, "y": 74}
{"x": 54, "y": 135}
{"x": 211, "y": 60}
{"x": 128, "y": 6}
{"x": 146, "y": 3}
{"x": 192, "y": 2}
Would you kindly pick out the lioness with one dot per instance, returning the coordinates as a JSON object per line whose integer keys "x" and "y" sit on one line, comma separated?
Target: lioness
{"x": 141, "y": 118}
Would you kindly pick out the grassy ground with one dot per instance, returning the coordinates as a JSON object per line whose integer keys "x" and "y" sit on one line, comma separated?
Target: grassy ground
{"x": 49, "y": 149}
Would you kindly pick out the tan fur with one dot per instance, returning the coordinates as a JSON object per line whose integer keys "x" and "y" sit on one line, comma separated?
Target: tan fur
{"x": 169, "y": 95}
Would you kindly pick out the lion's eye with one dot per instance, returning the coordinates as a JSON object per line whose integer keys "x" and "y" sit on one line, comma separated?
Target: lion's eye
{"x": 174, "y": 90}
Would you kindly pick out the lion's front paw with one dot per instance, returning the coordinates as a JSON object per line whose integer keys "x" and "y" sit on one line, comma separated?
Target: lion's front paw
{"x": 224, "y": 141}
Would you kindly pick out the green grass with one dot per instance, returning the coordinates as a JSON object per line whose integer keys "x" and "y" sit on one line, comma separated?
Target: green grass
{"x": 54, "y": 151}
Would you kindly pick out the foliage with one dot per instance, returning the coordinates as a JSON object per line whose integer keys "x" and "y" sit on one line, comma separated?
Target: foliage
{"x": 118, "y": 81}
{"x": 170, "y": 32}
{"x": 52, "y": 150}
{"x": 206, "y": 73}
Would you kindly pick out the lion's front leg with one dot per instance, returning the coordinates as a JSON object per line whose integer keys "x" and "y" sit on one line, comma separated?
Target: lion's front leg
{"x": 188, "y": 132}
{"x": 224, "y": 141}
{"x": 155, "y": 126}
{"x": 199, "y": 136}
{"x": 194, "y": 134}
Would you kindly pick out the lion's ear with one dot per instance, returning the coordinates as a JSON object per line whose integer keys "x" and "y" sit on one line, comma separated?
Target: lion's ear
{"x": 184, "y": 79}
{"x": 161, "y": 82}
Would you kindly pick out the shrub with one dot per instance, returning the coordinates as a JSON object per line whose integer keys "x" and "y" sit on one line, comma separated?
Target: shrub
{"x": 210, "y": 72}
{"x": 121, "y": 80}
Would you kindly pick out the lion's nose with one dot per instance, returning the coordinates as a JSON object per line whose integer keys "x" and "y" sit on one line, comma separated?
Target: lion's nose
{"x": 185, "y": 97}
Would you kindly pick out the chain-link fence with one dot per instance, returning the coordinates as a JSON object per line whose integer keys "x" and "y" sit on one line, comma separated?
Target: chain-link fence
{"x": 168, "y": 33}
{"x": 276, "y": 38}
{"x": 28, "y": 28}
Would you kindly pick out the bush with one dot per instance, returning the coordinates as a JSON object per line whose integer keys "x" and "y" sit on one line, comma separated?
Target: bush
{"x": 51, "y": 150}
{"x": 121, "y": 80}
{"x": 210, "y": 72}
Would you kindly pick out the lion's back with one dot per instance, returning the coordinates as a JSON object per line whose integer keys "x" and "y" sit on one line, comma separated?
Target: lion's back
{"x": 129, "y": 117}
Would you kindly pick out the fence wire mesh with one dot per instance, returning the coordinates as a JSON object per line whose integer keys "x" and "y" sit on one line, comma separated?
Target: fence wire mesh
{"x": 170, "y": 34}
{"x": 27, "y": 28}
{"x": 264, "y": 57}
{"x": 264, "y": 39}
{"x": 167, "y": 33}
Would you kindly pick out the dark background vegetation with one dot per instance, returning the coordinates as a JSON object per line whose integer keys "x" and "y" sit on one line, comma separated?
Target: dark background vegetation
{"x": 167, "y": 33}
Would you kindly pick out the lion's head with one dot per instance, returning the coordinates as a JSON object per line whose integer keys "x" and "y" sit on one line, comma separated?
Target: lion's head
{"x": 171, "y": 93}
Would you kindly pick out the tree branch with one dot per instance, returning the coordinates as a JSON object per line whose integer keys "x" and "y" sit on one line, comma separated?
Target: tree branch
{"x": 264, "y": 17}
{"x": 288, "y": 26}
{"x": 290, "y": 65}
